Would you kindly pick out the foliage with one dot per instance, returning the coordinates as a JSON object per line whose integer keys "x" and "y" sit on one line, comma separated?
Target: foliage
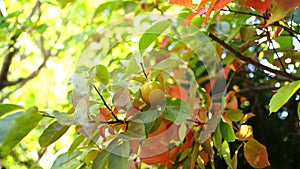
{"x": 229, "y": 70}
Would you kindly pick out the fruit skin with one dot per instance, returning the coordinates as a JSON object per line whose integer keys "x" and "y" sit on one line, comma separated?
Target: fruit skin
{"x": 153, "y": 93}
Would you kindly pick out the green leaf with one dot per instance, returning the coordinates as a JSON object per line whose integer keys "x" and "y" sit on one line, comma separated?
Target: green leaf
{"x": 182, "y": 131}
{"x": 66, "y": 161}
{"x": 22, "y": 126}
{"x": 177, "y": 111}
{"x": 247, "y": 32}
{"x": 135, "y": 130}
{"x": 119, "y": 156}
{"x": 42, "y": 28}
{"x": 52, "y": 133}
{"x": 151, "y": 120}
{"x": 6, "y": 123}
{"x": 132, "y": 67}
{"x": 90, "y": 156}
{"x": 235, "y": 114}
{"x": 117, "y": 162}
{"x": 217, "y": 139}
{"x": 152, "y": 33}
{"x": 227, "y": 131}
{"x": 63, "y": 3}
{"x": 101, "y": 160}
{"x": 81, "y": 112}
{"x": 36, "y": 167}
{"x": 75, "y": 144}
{"x": 226, "y": 154}
{"x": 8, "y": 108}
{"x": 101, "y": 73}
{"x": 285, "y": 42}
{"x": 65, "y": 118}
{"x": 283, "y": 95}
{"x": 299, "y": 110}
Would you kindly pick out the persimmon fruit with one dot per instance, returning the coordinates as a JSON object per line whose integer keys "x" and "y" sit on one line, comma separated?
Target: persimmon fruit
{"x": 153, "y": 93}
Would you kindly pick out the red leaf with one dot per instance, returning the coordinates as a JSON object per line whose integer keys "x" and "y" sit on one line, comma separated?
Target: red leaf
{"x": 178, "y": 92}
{"x": 186, "y": 3}
{"x": 204, "y": 157}
{"x": 256, "y": 154}
{"x": 235, "y": 64}
{"x": 188, "y": 140}
{"x": 259, "y": 5}
{"x": 105, "y": 114}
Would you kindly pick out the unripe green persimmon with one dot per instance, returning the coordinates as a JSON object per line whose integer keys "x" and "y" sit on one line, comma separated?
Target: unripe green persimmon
{"x": 153, "y": 93}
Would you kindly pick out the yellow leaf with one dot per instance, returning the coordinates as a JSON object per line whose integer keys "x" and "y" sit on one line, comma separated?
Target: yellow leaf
{"x": 245, "y": 132}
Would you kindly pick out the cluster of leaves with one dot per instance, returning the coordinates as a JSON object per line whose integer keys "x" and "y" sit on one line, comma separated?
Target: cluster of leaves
{"x": 189, "y": 130}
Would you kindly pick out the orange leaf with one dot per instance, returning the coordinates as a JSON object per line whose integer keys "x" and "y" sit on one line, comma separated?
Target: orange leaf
{"x": 198, "y": 10}
{"x": 216, "y": 5}
{"x": 178, "y": 92}
{"x": 186, "y": 3}
{"x": 220, "y": 4}
{"x": 232, "y": 104}
{"x": 281, "y": 8}
{"x": 256, "y": 154}
{"x": 105, "y": 114}
{"x": 259, "y": 5}
{"x": 165, "y": 158}
{"x": 211, "y": 7}
{"x": 164, "y": 125}
{"x": 147, "y": 158}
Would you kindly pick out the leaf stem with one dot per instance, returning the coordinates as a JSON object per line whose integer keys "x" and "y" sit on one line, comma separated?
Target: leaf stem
{"x": 143, "y": 70}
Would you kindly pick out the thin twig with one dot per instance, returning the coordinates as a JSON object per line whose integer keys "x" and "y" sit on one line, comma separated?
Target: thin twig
{"x": 47, "y": 115}
{"x": 249, "y": 60}
{"x": 274, "y": 49}
{"x": 107, "y": 122}
{"x": 286, "y": 28}
{"x": 231, "y": 77}
{"x": 256, "y": 89}
{"x": 244, "y": 13}
{"x": 105, "y": 104}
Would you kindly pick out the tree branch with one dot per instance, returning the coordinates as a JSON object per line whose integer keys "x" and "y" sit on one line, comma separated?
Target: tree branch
{"x": 251, "y": 61}
{"x": 7, "y": 61}
{"x": 256, "y": 89}
{"x": 12, "y": 51}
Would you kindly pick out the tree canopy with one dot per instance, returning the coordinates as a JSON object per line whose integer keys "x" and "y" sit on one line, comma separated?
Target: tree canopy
{"x": 149, "y": 84}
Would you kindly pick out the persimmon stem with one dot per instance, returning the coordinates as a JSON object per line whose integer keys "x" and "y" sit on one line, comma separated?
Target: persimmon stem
{"x": 143, "y": 70}
{"x": 105, "y": 104}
